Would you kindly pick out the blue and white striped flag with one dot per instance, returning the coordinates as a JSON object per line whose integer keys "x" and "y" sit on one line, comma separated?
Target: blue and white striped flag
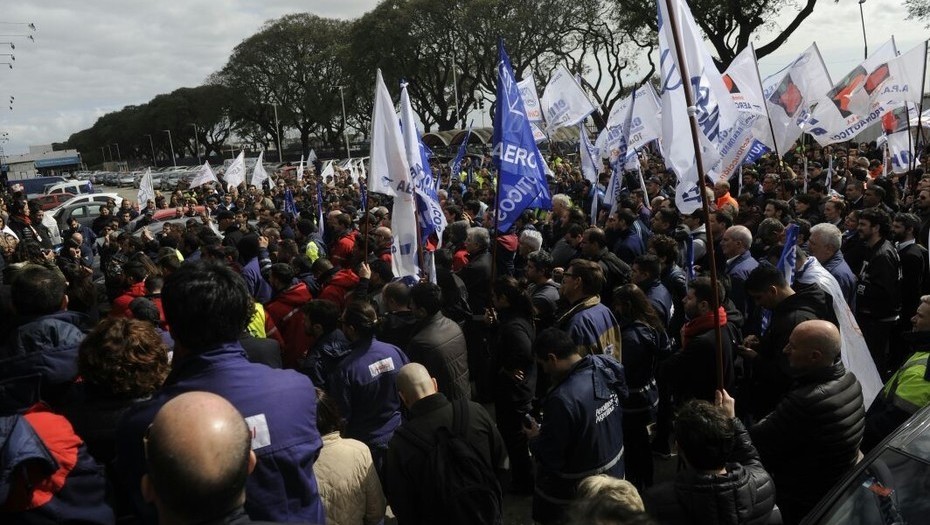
{"x": 789, "y": 254}
{"x": 457, "y": 161}
{"x": 289, "y": 205}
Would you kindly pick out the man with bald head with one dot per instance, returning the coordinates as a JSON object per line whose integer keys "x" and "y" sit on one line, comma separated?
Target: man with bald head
{"x": 812, "y": 437}
{"x": 198, "y": 453}
{"x": 408, "y": 489}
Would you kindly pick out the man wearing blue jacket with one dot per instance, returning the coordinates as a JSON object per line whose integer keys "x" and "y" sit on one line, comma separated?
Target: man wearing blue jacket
{"x": 207, "y": 306}
{"x": 582, "y": 430}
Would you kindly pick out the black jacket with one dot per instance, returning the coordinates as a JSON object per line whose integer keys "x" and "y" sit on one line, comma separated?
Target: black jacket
{"x": 812, "y": 437}
{"x": 439, "y": 345}
{"x": 477, "y": 278}
{"x": 403, "y": 465}
{"x": 643, "y": 348}
{"x": 262, "y": 350}
{"x": 878, "y": 296}
{"x": 692, "y": 371}
{"x": 745, "y": 495}
{"x": 616, "y": 272}
{"x": 915, "y": 279}
{"x": 512, "y": 348}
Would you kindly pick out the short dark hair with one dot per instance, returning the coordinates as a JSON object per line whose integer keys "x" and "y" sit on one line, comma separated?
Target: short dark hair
{"x": 427, "y": 296}
{"x": 591, "y": 275}
{"x": 324, "y": 313}
{"x": 763, "y": 277}
{"x": 283, "y": 272}
{"x": 597, "y": 236}
{"x": 397, "y": 292}
{"x": 37, "y": 290}
{"x": 666, "y": 248}
{"x": 328, "y": 418}
{"x": 206, "y": 303}
{"x": 876, "y": 217}
{"x": 704, "y": 290}
{"x": 705, "y": 434}
{"x": 542, "y": 260}
{"x": 361, "y": 316}
{"x": 650, "y": 264}
{"x": 554, "y": 341}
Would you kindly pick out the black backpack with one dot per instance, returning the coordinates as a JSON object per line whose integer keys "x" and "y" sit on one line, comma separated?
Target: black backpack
{"x": 460, "y": 487}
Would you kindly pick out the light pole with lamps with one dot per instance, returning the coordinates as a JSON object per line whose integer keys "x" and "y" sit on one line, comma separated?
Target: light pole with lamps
{"x": 174, "y": 160}
{"x": 196, "y": 142}
{"x": 152, "y": 145}
{"x": 865, "y": 43}
{"x": 345, "y": 125}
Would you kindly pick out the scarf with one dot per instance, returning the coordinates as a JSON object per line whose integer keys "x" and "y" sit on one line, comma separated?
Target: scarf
{"x": 699, "y": 325}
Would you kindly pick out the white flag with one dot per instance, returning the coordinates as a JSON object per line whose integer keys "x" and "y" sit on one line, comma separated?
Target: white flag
{"x": 300, "y": 169}
{"x": 311, "y": 157}
{"x": 430, "y": 215}
{"x": 789, "y": 94}
{"x": 564, "y": 101}
{"x": 388, "y": 162}
{"x": 389, "y": 173}
{"x": 645, "y": 123}
{"x": 204, "y": 175}
{"x": 235, "y": 174}
{"x": 832, "y": 119}
{"x": 854, "y": 352}
{"x": 328, "y": 171}
{"x": 898, "y": 80}
{"x": 742, "y": 79}
{"x": 527, "y": 88}
{"x": 712, "y": 101}
{"x": 146, "y": 189}
{"x": 590, "y": 156}
{"x": 259, "y": 175}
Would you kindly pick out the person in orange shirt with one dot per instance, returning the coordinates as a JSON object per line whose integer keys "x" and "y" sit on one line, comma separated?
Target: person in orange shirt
{"x": 723, "y": 197}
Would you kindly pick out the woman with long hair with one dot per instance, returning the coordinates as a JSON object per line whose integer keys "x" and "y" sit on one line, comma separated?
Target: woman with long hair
{"x": 514, "y": 373}
{"x": 645, "y": 343}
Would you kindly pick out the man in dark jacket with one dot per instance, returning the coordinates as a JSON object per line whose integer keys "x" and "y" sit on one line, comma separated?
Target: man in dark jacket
{"x": 207, "y": 306}
{"x": 616, "y": 272}
{"x": 429, "y": 410}
{"x": 582, "y": 433}
{"x": 46, "y": 338}
{"x": 878, "y": 296}
{"x": 812, "y": 437}
{"x": 645, "y": 275}
{"x": 330, "y": 346}
{"x": 738, "y": 265}
{"x": 724, "y": 482}
{"x": 588, "y": 321}
{"x": 438, "y": 343}
{"x": 915, "y": 278}
{"x": 771, "y": 376}
{"x": 398, "y": 324}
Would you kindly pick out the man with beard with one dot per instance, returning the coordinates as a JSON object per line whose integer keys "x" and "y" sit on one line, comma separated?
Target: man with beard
{"x": 878, "y": 296}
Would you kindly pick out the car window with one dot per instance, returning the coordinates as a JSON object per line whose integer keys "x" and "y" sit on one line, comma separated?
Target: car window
{"x": 892, "y": 489}
{"x": 79, "y": 212}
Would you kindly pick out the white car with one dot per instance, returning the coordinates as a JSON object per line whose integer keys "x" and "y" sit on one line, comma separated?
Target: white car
{"x": 102, "y": 198}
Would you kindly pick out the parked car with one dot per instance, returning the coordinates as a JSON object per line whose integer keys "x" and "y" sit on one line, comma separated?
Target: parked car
{"x": 890, "y": 485}
{"x": 181, "y": 213}
{"x": 94, "y": 198}
{"x": 48, "y": 202}
{"x": 85, "y": 213}
{"x": 126, "y": 180}
{"x": 76, "y": 187}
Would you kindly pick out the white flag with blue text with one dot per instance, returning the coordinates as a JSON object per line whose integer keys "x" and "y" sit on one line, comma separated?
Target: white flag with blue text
{"x": 204, "y": 175}
{"x": 429, "y": 212}
{"x": 713, "y": 106}
{"x": 235, "y": 173}
{"x": 259, "y": 175}
{"x": 564, "y": 101}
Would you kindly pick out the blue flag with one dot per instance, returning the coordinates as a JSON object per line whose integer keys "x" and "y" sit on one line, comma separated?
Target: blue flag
{"x": 289, "y": 205}
{"x": 364, "y": 191}
{"x": 787, "y": 263}
{"x": 457, "y": 161}
{"x": 429, "y": 213}
{"x": 689, "y": 259}
{"x": 514, "y": 153}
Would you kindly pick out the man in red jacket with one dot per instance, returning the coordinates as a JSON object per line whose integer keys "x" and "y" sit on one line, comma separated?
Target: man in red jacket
{"x": 343, "y": 243}
{"x": 290, "y": 295}
{"x": 336, "y": 282}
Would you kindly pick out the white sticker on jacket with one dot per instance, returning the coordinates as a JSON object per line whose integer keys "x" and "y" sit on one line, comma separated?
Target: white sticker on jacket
{"x": 379, "y": 367}
{"x": 258, "y": 427}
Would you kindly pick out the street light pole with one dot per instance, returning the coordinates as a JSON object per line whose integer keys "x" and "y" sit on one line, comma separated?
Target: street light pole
{"x": 345, "y": 124}
{"x": 196, "y": 142}
{"x": 103, "y": 153}
{"x": 174, "y": 160}
{"x": 152, "y": 145}
{"x": 111, "y": 153}
{"x": 865, "y": 42}
{"x": 119, "y": 157}
{"x": 277, "y": 132}
{"x": 455, "y": 86}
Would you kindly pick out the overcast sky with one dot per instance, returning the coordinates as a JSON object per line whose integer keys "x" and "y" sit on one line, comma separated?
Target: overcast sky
{"x": 93, "y": 57}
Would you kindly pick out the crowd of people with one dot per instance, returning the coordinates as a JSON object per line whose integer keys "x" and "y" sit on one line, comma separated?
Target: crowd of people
{"x": 250, "y": 359}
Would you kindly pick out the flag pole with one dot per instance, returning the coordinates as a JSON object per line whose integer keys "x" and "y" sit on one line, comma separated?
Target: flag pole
{"x": 920, "y": 109}
{"x": 698, "y": 157}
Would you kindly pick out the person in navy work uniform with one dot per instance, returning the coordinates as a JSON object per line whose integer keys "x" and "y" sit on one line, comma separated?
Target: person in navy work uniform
{"x": 207, "y": 306}
{"x": 582, "y": 430}
{"x": 364, "y": 384}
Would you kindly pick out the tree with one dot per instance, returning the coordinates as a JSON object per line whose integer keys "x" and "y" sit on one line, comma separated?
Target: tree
{"x": 292, "y": 63}
{"x": 728, "y": 26}
{"x": 918, "y": 9}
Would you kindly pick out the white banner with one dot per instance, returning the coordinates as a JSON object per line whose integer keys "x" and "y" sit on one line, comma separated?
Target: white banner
{"x": 235, "y": 173}
{"x": 564, "y": 101}
{"x": 204, "y": 175}
{"x": 742, "y": 80}
{"x": 388, "y": 161}
{"x": 898, "y": 80}
{"x": 259, "y": 175}
{"x": 527, "y": 88}
{"x": 146, "y": 189}
{"x": 300, "y": 169}
{"x": 713, "y": 104}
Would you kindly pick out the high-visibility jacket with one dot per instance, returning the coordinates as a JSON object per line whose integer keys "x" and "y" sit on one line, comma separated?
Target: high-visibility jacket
{"x": 909, "y": 388}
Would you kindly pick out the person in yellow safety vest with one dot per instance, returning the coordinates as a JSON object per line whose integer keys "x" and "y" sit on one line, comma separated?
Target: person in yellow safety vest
{"x": 908, "y": 390}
